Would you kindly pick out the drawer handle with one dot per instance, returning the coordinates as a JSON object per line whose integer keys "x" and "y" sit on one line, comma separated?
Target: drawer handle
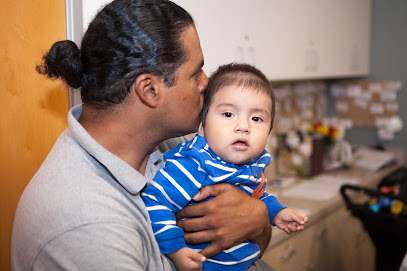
{"x": 311, "y": 267}
{"x": 288, "y": 255}
{"x": 321, "y": 233}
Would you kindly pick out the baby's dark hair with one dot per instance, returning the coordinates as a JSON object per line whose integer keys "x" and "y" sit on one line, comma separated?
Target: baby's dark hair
{"x": 235, "y": 74}
{"x": 125, "y": 39}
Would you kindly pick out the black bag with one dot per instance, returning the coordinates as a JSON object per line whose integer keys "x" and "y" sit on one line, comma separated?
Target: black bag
{"x": 387, "y": 231}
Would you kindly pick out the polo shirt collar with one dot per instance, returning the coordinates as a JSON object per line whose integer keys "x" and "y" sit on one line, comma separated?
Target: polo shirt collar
{"x": 129, "y": 178}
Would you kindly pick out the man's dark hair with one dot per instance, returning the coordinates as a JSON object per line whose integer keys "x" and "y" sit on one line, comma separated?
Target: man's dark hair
{"x": 235, "y": 74}
{"x": 125, "y": 39}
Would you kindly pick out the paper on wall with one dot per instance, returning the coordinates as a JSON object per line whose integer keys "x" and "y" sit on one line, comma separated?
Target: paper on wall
{"x": 388, "y": 95}
{"x": 394, "y": 107}
{"x": 307, "y": 114}
{"x": 284, "y": 124}
{"x": 361, "y": 103}
{"x": 392, "y": 84}
{"x": 341, "y": 107}
{"x": 376, "y": 108}
{"x": 354, "y": 91}
{"x": 387, "y": 127}
{"x": 338, "y": 91}
{"x": 288, "y": 106}
{"x": 366, "y": 95}
{"x": 375, "y": 87}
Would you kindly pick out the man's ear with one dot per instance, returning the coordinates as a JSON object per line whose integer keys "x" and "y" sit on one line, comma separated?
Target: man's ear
{"x": 201, "y": 130}
{"x": 147, "y": 89}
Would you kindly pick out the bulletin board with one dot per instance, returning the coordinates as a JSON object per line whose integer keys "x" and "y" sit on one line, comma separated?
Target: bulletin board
{"x": 299, "y": 103}
{"x": 366, "y": 103}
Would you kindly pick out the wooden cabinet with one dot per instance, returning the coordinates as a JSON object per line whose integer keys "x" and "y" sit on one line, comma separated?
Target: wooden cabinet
{"x": 299, "y": 252}
{"x": 350, "y": 247}
{"x": 286, "y": 39}
{"x": 337, "y": 242}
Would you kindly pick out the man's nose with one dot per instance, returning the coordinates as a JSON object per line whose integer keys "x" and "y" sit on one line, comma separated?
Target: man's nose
{"x": 204, "y": 82}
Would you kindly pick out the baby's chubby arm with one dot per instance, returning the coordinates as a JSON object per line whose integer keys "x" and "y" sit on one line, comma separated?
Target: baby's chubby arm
{"x": 187, "y": 259}
{"x": 290, "y": 220}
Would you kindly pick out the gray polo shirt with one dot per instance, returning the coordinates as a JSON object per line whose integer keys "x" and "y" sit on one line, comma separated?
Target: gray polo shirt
{"x": 82, "y": 210}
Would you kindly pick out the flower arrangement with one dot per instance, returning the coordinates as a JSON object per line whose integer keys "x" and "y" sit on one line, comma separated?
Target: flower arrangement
{"x": 307, "y": 151}
{"x": 330, "y": 150}
{"x": 293, "y": 153}
{"x": 328, "y": 133}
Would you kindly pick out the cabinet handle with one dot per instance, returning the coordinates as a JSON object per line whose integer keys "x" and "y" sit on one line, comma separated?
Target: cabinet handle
{"x": 359, "y": 239}
{"x": 288, "y": 255}
{"x": 321, "y": 233}
{"x": 311, "y": 267}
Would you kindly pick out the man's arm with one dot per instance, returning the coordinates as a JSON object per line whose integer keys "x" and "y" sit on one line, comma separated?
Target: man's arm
{"x": 100, "y": 246}
{"x": 228, "y": 219}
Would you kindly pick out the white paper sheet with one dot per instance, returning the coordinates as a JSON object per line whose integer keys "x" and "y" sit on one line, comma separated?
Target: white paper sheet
{"x": 370, "y": 159}
{"x": 321, "y": 187}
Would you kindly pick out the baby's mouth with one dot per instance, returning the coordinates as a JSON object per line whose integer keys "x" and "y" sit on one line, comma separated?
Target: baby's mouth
{"x": 240, "y": 144}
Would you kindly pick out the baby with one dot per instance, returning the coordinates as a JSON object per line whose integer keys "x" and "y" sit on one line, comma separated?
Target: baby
{"x": 237, "y": 117}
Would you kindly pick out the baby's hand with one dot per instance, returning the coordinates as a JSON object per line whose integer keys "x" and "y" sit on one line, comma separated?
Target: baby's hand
{"x": 187, "y": 259}
{"x": 290, "y": 220}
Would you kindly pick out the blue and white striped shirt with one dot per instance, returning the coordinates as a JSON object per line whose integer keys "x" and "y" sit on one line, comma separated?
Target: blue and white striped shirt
{"x": 188, "y": 168}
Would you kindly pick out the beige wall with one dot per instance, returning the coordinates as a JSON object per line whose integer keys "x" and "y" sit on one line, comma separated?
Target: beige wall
{"x": 33, "y": 108}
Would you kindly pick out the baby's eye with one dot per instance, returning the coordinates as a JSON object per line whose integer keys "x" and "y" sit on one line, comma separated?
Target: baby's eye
{"x": 228, "y": 114}
{"x": 256, "y": 119}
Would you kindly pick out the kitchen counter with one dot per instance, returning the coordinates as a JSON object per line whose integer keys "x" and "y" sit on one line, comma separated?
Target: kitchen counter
{"x": 319, "y": 209}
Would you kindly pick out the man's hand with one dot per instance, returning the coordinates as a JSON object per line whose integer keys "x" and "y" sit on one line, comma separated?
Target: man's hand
{"x": 228, "y": 219}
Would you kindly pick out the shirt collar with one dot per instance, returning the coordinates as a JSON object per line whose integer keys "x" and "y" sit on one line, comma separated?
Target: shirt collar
{"x": 129, "y": 178}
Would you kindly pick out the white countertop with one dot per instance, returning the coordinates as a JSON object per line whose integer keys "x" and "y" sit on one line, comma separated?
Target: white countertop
{"x": 320, "y": 207}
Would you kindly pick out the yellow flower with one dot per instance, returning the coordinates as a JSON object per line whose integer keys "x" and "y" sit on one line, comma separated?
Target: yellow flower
{"x": 310, "y": 129}
{"x": 322, "y": 130}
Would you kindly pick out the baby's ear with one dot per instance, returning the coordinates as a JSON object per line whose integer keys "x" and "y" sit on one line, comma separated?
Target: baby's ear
{"x": 200, "y": 130}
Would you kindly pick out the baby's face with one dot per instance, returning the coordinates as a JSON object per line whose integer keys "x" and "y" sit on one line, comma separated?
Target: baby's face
{"x": 238, "y": 123}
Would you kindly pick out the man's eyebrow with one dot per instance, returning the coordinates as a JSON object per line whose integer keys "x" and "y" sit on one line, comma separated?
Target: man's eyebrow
{"x": 199, "y": 67}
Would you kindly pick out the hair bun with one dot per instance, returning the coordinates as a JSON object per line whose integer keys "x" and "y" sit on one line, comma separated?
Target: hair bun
{"x": 63, "y": 61}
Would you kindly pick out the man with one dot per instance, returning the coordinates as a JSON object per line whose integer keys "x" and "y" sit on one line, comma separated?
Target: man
{"x": 140, "y": 73}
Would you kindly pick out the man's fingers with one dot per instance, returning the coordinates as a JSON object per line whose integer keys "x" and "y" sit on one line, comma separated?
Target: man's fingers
{"x": 192, "y": 225}
{"x": 211, "y": 250}
{"x": 199, "y": 237}
{"x": 192, "y": 211}
{"x": 210, "y": 191}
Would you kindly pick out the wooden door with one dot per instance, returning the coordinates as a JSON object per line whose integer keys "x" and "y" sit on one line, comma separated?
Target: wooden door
{"x": 33, "y": 108}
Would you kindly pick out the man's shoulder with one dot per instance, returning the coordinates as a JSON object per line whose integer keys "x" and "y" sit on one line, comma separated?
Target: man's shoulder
{"x": 172, "y": 143}
{"x": 70, "y": 200}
